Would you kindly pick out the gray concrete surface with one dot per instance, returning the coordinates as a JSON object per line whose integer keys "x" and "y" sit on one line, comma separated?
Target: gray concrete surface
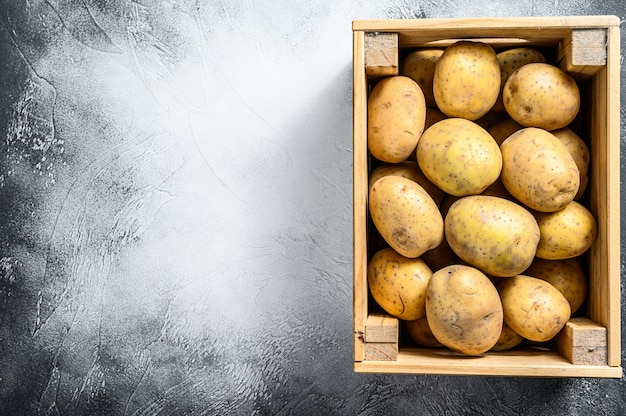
{"x": 176, "y": 214}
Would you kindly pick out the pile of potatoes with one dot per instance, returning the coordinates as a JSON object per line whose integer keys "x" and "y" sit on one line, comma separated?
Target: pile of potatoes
{"x": 475, "y": 195}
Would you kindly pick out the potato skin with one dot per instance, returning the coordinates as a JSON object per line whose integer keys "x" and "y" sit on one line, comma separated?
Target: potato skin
{"x": 396, "y": 112}
{"x": 463, "y": 309}
{"x": 410, "y": 170}
{"x": 538, "y": 170}
{"x": 398, "y": 284}
{"x": 405, "y": 215}
{"x": 566, "y": 233}
{"x": 420, "y": 65}
{"x": 541, "y": 95}
{"x": 533, "y": 307}
{"x": 459, "y": 156}
{"x": 496, "y": 235}
{"x": 579, "y": 151}
{"x": 508, "y": 339}
{"x": 466, "y": 82}
{"x": 568, "y": 276}
{"x": 420, "y": 333}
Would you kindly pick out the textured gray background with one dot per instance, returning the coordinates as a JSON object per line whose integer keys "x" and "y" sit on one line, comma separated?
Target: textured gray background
{"x": 175, "y": 214}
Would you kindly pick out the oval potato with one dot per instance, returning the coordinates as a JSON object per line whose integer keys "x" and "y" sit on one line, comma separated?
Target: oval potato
{"x": 405, "y": 215}
{"x": 463, "y": 309}
{"x": 496, "y": 235}
{"x": 410, "y": 170}
{"x": 579, "y": 151}
{"x": 566, "y": 233}
{"x": 538, "y": 170}
{"x": 568, "y": 276}
{"x": 533, "y": 308}
{"x": 396, "y": 112}
{"x": 420, "y": 333}
{"x": 466, "y": 82}
{"x": 459, "y": 156}
{"x": 508, "y": 339}
{"x": 420, "y": 65}
{"x": 398, "y": 284}
{"x": 541, "y": 95}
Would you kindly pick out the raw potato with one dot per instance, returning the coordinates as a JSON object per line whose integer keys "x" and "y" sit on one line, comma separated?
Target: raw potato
{"x": 579, "y": 151}
{"x": 501, "y": 131}
{"x": 405, "y": 215}
{"x": 467, "y": 80}
{"x": 398, "y": 284}
{"x": 493, "y": 234}
{"x": 541, "y": 95}
{"x": 440, "y": 256}
{"x": 459, "y": 156}
{"x": 533, "y": 307}
{"x": 420, "y": 333}
{"x": 463, "y": 309}
{"x": 508, "y": 339}
{"x": 396, "y": 112}
{"x": 566, "y": 233}
{"x": 419, "y": 65}
{"x": 566, "y": 275}
{"x": 409, "y": 170}
{"x": 538, "y": 170}
{"x": 510, "y": 61}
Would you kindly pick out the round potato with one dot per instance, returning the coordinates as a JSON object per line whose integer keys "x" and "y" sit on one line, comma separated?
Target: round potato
{"x": 510, "y": 61}
{"x": 568, "y": 276}
{"x": 538, "y": 170}
{"x": 420, "y": 333}
{"x": 502, "y": 130}
{"x": 440, "y": 256}
{"x": 405, "y": 215}
{"x": 398, "y": 284}
{"x": 396, "y": 112}
{"x": 466, "y": 82}
{"x": 463, "y": 309}
{"x": 541, "y": 95}
{"x": 409, "y": 170}
{"x": 496, "y": 235}
{"x": 459, "y": 156}
{"x": 533, "y": 308}
{"x": 579, "y": 151}
{"x": 508, "y": 339}
{"x": 566, "y": 233}
{"x": 419, "y": 65}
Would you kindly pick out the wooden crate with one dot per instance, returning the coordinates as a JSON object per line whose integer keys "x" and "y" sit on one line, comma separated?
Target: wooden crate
{"x": 588, "y": 48}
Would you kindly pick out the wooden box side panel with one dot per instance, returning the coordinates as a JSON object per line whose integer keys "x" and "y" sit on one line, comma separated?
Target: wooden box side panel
{"x": 359, "y": 194}
{"x": 604, "y": 294}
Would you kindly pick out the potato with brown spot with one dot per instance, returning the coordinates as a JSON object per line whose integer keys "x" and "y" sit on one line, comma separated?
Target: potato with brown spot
{"x": 541, "y": 95}
{"x": 533, "y": 307}
{"x": 420, "y": 65}
{"x": 568, "y": 276}
{"x": 466, "y": 82}
{"x": 405, "y": 215}
{"x": 459, "y": 156}
{"x": 396, "y": 112}
{"x": 496, "y": 235}
{"x": 538, "y": 170}
{"x": 566, "y": 233}
{"x": 398, "y": 284}
{"x": 463, "y": 309}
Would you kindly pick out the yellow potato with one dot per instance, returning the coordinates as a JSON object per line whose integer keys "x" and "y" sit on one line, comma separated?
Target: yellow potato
{"x": 493, "y": 234}
{"x": 409, "y": 170}
{"x": 508, "y": 339}
{"x": 419, "y": 65}
{"x": 440, "y": 256}
{"x": 533, "y": 308}
{"x": 538, "y": 170}
{"x": 510, "y": 61}
{"x": 463, "y": 309}
{"x": 579, "y": 151}
{"x": 420, "y": 333}
{"x": 398, "y": 284}
{"x": 396, "y": 112}
{"x": 466, "y": 82}
{"x": 566, "y": 233}
{"x": 459, "y": 156}
{"x": 541, "y": 95}
{"x": 405, "y": 215}
{"x": 566, "y": 275}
